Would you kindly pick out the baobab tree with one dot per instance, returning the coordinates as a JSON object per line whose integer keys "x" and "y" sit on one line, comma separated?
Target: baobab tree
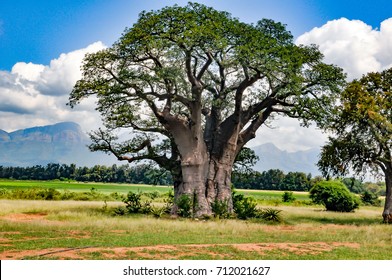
{"x": 194, "y": 85}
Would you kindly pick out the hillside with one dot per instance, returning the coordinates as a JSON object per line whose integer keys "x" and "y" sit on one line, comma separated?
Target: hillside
{"x": 273, "y": 158}
{"x": 59, "y": 143}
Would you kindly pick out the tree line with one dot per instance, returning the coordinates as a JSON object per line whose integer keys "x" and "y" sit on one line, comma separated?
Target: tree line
{"x": 139, "y": 174}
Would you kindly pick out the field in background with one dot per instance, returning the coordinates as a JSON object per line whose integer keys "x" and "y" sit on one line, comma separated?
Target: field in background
{"x": 89, "y": 230}
{"x": 264, "y": 197}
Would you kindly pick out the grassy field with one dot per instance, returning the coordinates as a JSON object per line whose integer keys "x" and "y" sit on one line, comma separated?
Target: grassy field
{"x": 80, "y": 186}
{"x": 89, "y": 230}
{"x": 263, "y": 197}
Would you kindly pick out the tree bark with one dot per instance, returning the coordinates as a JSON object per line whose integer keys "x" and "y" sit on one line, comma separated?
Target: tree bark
{"x": 205, "y": 178}
{"x": 387, "y": 213}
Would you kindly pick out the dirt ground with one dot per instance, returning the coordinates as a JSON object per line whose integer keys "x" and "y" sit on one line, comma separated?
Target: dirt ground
{"x": 165, "y": 252}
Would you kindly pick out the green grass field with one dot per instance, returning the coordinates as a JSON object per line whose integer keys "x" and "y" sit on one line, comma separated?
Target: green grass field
{"x": 42, "y": 229}
{"x": 263, "y": 197}
{"x": 80, "y": 186}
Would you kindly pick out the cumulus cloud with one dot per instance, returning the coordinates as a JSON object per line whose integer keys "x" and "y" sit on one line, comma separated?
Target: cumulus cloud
{"x": 353, "y": 45}
{"x": 33, "y": 94}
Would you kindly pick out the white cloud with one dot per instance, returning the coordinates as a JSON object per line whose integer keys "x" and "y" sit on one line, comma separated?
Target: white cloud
{"x": 33, "y": 94}
{"x": 353, "y": 45}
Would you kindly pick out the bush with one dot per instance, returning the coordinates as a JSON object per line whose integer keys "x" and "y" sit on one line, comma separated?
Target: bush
{"x": 244, "y": 207}
{"x": 272, "y": 215}
{"x": 134, "y": 204}
{"x": 334, "y": 195}
{"x": 169, "y": 201}
{"x": 220, "y": 209}
{"x": 288, "y": 196}
{"x": 185, "y": 206}
{"x": 369, "y": 198}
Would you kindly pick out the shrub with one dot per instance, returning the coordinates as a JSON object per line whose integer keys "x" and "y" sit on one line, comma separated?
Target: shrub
{"x": 334, "y": 195}
{"x": 134, "y": 204}
{"x": 120, "y": 211}
{"x": 169, "y": 201}
{"x": 220, "y": 209}
{"x": 152, "y": 195}
{"x": 272, "y": 215}
{"x": 244, "y": 207}
{"x": 288, "y": 196}
{"x": 158, "y": 212}
{"x": 185, "y": 206}
{"x": 369, "y": 198}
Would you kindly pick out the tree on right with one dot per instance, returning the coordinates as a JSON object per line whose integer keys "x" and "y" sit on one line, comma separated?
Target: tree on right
{"x": 361, "y": 125}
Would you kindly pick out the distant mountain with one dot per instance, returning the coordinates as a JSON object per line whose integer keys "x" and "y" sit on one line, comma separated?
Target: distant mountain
{"x": 59, "y": 143}
{"x": 272, "y": 157}
{"x": 67, "y": 143}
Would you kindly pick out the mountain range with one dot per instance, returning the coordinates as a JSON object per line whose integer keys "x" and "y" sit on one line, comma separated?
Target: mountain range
{"x": 63, "y": 143}
{"x": 66, "y": 143}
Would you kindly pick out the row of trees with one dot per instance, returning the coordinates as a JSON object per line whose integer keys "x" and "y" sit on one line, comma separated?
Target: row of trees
{"x": 273, "y": 179}
{"x": 140, "y": 174}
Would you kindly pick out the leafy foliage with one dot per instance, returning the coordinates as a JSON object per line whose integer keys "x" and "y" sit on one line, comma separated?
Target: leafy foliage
{"x": 334, "y": 195}
{"x": 288, "y": 196}
{"x": 271, "y": 215}
{"x": 369, "y": 198}
{"x": 362, "y": 125}
{"x": 135, "y": 205}
{"x": 273, "y": 179}
{"x": 244, "y": 207}
{"x": 220, "y": 209}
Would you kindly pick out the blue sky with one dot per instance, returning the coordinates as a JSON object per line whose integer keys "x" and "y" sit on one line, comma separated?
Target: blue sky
{"x": 42, "y": 44}
{"x": 38, "y": 31}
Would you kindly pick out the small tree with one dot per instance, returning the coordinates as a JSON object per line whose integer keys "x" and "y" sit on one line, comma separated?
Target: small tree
{"x": 334, "y": 195}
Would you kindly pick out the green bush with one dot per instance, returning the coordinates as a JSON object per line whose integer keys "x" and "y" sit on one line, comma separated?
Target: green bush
{"x": 185, "y": 206}
{"x": 158, "y": 212}
{"x": 288, "y": 196}
{"x": 169, "y": 201}
{"x": 334, "y": 195}
{"x": 220, "y": 209}
{"x": 134, "y": 204}
{"x": 244, "y": 207}
{"x": 369, "y": 198}
{"x": 271, "y": 215}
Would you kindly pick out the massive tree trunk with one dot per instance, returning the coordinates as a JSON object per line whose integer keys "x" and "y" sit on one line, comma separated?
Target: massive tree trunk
{"x": 206, "y": 175}
{"x": 204, "y": 183}
{"x": 387, "y": 214}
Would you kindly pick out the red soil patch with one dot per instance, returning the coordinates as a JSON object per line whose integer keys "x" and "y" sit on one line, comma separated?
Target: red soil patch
{"x": 164, "y": 252}
{"x": 25, "y": 217}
